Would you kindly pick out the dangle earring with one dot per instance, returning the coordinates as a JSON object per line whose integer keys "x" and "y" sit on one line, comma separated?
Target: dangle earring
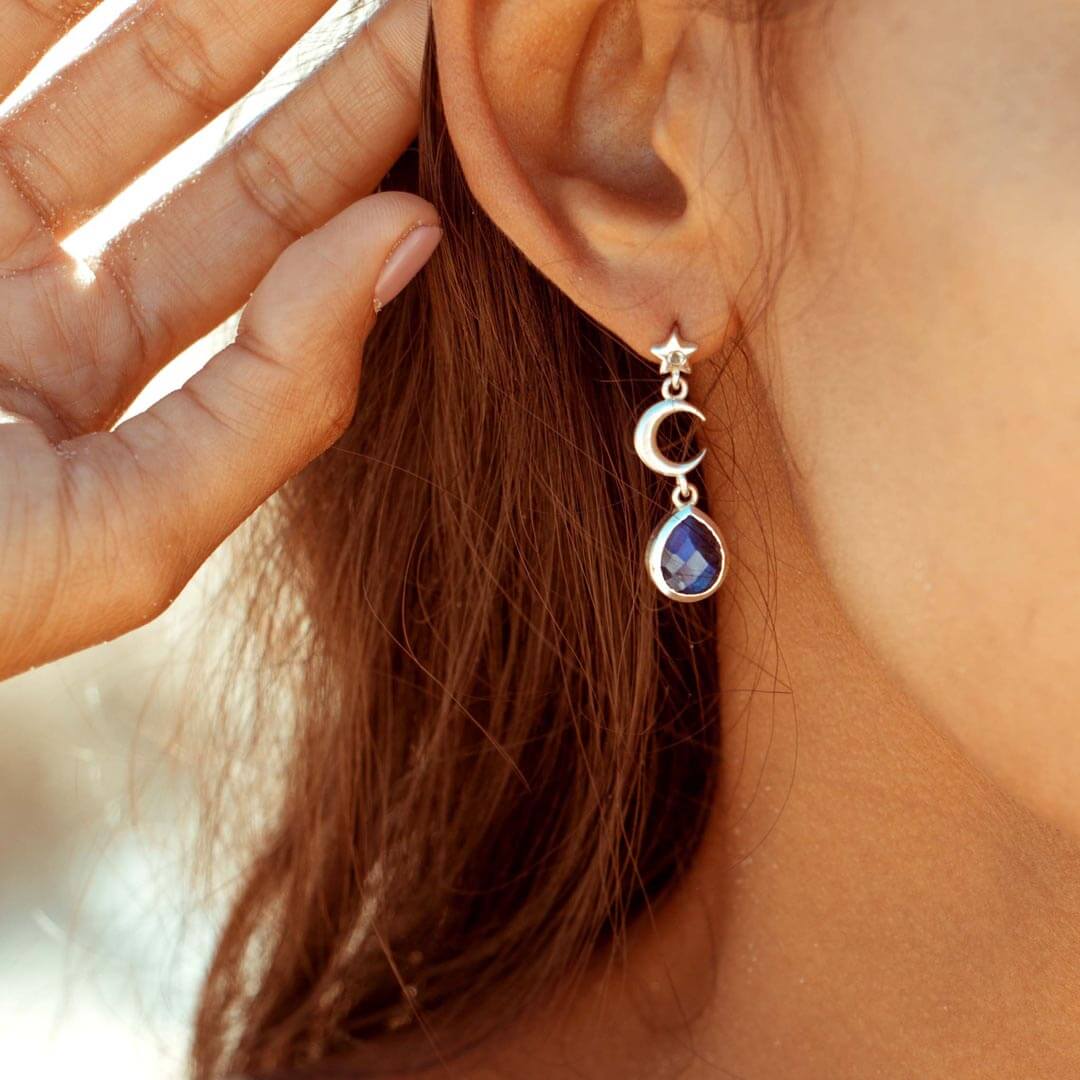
{"x": 685, "y": 556}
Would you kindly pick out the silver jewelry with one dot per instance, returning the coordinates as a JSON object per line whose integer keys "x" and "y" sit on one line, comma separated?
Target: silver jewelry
{"x": 686, "y": 557}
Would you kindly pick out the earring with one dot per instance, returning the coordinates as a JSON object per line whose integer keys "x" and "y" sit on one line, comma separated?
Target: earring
{"x": 686, "y": 557}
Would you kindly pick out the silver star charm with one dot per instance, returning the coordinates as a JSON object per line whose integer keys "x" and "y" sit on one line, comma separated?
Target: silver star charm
{"x": 674, "y": 354}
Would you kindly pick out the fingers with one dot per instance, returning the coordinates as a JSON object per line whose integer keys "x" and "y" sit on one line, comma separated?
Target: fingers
{"x": 188, "y": 264}
{"x": 176, "y": 480}
{"x": 149, "y": 83}
{"x": 29, "y": 28}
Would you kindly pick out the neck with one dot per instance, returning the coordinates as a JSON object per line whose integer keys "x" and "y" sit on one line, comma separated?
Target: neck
{"x": 880, "y": 907}
{"x": 866, "y": 902}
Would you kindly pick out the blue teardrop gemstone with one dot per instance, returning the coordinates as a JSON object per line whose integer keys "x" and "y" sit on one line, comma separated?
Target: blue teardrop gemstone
{"x": 692, "y": 559}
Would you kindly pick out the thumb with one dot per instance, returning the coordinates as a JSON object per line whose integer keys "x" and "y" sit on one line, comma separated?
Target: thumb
{"x": 189, "y": 470}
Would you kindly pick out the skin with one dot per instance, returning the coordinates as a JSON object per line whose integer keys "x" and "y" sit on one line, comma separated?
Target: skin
{"x": 891, "y": 883}
{"x": 102, "y": 525}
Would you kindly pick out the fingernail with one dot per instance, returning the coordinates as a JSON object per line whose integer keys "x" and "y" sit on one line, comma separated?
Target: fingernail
{"x": 405, "y": 261}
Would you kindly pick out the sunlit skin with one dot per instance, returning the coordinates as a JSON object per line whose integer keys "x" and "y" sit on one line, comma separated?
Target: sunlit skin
{"x": 891, "y": 883}
{"x": 100, "y": 529}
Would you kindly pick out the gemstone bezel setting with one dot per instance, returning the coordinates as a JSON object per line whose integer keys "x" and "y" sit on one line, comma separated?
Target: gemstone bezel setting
{"x": 654, "y": 554}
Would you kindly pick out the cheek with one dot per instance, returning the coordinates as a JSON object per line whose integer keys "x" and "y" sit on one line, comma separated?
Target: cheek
{"x": 928, "y": 382}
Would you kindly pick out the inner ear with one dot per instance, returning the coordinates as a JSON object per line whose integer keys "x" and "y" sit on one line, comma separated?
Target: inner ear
{"x": 613, "y": 106}
{"x": 577, "y": 86}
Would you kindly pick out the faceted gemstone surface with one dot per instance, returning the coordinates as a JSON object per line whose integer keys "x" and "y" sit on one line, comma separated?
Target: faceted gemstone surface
{"x": 692, "y": 558}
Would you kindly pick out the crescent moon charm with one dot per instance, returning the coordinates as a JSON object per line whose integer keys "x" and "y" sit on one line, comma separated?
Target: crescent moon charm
{"x": 646, "y": 438}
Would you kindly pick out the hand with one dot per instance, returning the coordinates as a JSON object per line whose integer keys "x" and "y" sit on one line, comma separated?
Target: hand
{"x": 101, "y": 526}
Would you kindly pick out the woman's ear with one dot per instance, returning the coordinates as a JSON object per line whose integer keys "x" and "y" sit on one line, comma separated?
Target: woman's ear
{"x": 602, "y": 136}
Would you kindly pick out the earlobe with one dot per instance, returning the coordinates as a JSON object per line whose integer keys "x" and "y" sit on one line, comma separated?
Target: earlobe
{"x": 580, "y": 127}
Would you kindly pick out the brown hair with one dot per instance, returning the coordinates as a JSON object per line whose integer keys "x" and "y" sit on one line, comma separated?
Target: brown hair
{"x": 502, "y": 743}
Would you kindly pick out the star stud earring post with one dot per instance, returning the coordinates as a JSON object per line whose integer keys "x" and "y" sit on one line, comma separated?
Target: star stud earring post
{"x": 674, "y": 354}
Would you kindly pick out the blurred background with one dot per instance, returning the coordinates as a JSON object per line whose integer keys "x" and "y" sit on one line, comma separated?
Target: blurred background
{"x": 103, "y": 933}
